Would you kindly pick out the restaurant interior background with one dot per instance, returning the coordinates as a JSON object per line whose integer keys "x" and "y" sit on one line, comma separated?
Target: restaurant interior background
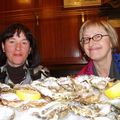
{"x": 56, "y": 27}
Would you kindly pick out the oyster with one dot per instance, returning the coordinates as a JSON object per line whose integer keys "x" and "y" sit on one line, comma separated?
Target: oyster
{"x": 6, "y": 113}
{"x": 9, "y": 96}
{"x": 101, "y": 118}
{"x": 115, "y": 102}
{"x": 5, "y": 88}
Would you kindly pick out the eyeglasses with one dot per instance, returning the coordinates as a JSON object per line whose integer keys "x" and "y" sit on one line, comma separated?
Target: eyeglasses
{"x": 96, "y": 37}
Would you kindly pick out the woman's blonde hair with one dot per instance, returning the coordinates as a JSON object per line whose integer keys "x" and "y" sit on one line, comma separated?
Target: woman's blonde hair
{"x": 108, "y": 28}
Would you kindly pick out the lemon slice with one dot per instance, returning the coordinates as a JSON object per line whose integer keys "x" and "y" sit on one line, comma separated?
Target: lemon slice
{"x": 113, "y": 92}
{"x": 110, "y": 84}
{"x": 28, "y": 94}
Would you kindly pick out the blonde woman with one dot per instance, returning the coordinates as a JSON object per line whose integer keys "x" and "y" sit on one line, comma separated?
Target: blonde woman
{"x": 99, "y": 41}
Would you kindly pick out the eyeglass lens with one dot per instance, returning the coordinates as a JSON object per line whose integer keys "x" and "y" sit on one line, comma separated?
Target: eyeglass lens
{"x": 96, "y": 37}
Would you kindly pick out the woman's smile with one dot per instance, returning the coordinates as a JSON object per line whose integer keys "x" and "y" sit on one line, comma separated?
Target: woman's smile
{"x": 17, "y": 55}
{"x": 95, "y": 49}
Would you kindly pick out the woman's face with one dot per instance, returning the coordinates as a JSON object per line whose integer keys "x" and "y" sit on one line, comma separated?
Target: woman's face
{"x": 17, "y": 49}
{"x": 97, "y": 50}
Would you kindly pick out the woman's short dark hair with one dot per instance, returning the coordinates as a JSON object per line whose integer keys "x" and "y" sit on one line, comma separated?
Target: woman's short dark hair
{"x": 33, "y": 58}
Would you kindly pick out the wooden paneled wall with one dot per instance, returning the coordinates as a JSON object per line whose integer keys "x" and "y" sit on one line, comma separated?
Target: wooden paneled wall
{"x": 59, "y": 32}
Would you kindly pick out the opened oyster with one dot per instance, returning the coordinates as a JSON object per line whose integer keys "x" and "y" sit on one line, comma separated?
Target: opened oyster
{"x": 6, "y": 113}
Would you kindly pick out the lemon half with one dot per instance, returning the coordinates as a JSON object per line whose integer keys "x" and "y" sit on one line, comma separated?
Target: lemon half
{"x": 113, "y": 92}
{"x": 28, "y": 94}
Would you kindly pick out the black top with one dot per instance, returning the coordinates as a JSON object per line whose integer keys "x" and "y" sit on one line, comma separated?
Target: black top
{"x": 114, "y": 73}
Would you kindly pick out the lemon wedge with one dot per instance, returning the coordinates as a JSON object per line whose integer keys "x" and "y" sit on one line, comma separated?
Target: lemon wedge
{"x": 28, "y": 94}
{"x": 110, "y": 84}
{"x": 113, "y": 92}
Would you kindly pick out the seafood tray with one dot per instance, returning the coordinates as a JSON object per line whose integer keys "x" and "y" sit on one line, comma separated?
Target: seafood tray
{"x": 64, "y": 98}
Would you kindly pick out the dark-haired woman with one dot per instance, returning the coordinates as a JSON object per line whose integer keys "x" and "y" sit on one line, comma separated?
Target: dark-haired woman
{"x": 19, "y": 58}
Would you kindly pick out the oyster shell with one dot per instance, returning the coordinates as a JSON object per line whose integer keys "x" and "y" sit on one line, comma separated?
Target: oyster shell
{"x": 101, "y": 118}
{"x": 9, "y": 96}
{"x": 6, "y": 113}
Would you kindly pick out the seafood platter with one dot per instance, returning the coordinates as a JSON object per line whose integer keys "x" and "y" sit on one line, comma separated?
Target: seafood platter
{"x": 65, "y": 98}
